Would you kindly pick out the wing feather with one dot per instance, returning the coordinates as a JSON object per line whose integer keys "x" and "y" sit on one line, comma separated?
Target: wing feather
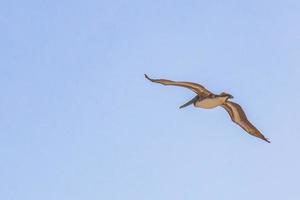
{"x": 239, "y": 117}
{"x": 197, "y": 88}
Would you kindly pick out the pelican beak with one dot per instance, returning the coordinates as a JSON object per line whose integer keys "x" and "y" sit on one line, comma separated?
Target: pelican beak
{"x": 193, "y": 100}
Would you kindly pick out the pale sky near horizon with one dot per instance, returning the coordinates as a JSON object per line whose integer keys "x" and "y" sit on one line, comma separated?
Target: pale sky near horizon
{"x": 79, "y": 121}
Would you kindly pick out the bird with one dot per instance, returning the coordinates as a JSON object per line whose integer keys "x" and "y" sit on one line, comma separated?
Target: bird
{"x": 208, "y": 100}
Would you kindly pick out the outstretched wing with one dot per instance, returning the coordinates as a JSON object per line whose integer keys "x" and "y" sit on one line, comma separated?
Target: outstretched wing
{"x": 197, "y": 88}
{"x": 239, "y": 117}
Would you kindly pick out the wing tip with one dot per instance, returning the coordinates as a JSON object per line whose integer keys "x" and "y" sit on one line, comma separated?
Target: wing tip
{"x": 267, "y": 140}
{"x": 147, "y": 77}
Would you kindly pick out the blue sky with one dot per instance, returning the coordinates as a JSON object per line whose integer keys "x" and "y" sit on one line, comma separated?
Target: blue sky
{"x": 79, "y": 121}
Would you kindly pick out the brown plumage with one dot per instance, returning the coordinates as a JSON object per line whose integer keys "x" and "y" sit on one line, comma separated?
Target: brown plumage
{"x": 197, "y": 88}
{"x": 208, "y": 100}
{"x": 239, "y": 117}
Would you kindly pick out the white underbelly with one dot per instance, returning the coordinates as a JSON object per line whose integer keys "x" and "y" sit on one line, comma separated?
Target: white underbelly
{"x": 210, "y": 102}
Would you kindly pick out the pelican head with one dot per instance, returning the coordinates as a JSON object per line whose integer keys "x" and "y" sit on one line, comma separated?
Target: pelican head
{"x": 224, "y": 94}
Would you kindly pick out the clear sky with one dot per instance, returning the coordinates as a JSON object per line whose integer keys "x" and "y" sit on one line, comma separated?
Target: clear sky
{"x": 79, "y": 121}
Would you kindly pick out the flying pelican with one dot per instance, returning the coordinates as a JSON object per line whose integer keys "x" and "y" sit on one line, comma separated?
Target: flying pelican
{"x": 208, "y": 100}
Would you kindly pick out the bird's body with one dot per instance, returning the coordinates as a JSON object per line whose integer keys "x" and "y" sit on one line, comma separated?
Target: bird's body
{"x": 211, "y": 102}
{"x": 208, "y": 100}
